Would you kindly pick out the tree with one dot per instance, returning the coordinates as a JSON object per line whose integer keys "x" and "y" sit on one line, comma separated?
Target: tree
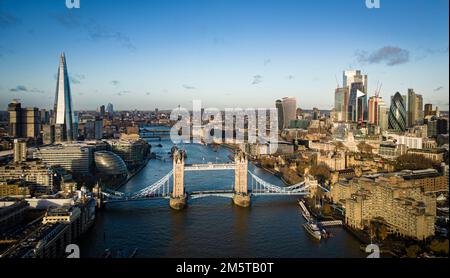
{"x": 267, "y": 162}
{"x": 379, "y": 229}
{"x": 321, "y": 172}
{"x": 290, "y": 176}
{"x": 413, "y": 162}
{"x": 365, "y": 148}
{"x": 412, "y": 250}
{"x": 340, "y": 146}
{"x": 301, "y": 167}
{"x": 326, "y": 209}
{"x": 439, "y": 247}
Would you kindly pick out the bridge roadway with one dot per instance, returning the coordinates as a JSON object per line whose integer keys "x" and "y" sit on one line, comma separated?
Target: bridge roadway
{"x": 209, "y": 166}
{"x": 207, "y": 193}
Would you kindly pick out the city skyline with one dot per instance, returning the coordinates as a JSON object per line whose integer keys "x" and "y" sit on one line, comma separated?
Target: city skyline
{"x": 162, "y": 60}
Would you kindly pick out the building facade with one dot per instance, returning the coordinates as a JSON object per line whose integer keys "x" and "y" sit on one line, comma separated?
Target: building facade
{"x": 75, "y": 158}
{"x": 64, "y": 117}
{"x": 397, "y": 113}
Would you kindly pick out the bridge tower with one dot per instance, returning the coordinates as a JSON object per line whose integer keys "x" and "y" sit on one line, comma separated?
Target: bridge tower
{"x": 178, "y": 197}
{"x": 241, "y": 196}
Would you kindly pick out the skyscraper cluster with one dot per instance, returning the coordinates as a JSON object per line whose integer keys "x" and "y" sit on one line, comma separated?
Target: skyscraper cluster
{"x": 351, "y": 98}
{"x": 351, "y": 104}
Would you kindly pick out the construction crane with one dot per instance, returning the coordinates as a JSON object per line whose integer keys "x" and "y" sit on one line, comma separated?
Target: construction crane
{"x": 337, "y": 82}
{"x": 378, "y": 90}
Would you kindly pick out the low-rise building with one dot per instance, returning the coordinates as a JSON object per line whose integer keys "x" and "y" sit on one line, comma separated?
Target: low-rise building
{"x": 402, "y": 203}
{"x": 13, "y": 189}
{"x": 38, "y": 175}
{"x": 436, "y": 155}
{"x": 391, "y": 150}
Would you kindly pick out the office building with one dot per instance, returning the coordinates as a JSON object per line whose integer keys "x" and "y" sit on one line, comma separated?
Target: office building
{"x": 437, "y": 155}
{"x": 411, "y": 142}
{"x": 437, "y": 126}
{"x": 102, "y": 110}
{"x": 75, "y": 158}
{"x": 391, "y": 150}
{"x": 429, "y": 110}
{"x": 132, "y": 151}
{"x": 357, "y": 107}
{"x": 23, "y": 122}
{"x": 419, "y": 110}
{"x": 40, "y": 176}
{"x": 289, "y": 110}
{"x": 354, "y": 76}
{"x": 341, "y": 96}
{"x": 20, "y": 150}
{"x": 31, "y": 122}
{"x": 110, "y": 109}
{"x": 316, "y": 114}
{"x": 356, "y": 83}
{"x": 397, "y": 113}
{"x": 64, "y": 117}
{"x": 15, "y": 119}
{"x": 94, "y": 129}
{"x": 279, "y": 107}
{"x": 373, "y": 112}
{"x": 44, "y": 116}
{"x": 415, "y": 108}
{"x": 383, "y": 115}
{"x": 48, "y": 134}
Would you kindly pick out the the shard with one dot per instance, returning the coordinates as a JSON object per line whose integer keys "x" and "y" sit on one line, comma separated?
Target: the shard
{"x": 63, "y": 112}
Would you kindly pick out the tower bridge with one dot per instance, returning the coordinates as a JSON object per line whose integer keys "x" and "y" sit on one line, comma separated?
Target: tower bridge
{"x": 172, "y": 186}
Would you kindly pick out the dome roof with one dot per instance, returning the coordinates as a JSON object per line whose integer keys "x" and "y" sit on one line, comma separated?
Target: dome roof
{"x": 110, "y": 163}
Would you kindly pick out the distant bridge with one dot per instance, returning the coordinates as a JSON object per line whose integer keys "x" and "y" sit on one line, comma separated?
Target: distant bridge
{"x": 156, "y": 133}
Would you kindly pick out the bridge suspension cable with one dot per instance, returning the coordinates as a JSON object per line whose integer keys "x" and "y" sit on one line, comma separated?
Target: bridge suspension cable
{"x": 161, "y": 188}
{"x": 261, "y": 186}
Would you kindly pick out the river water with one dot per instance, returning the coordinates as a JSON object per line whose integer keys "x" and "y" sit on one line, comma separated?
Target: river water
{"x": 208, "y": 227}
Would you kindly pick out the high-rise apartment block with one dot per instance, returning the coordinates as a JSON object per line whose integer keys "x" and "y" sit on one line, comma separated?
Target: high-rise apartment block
{"x": 23, "y": 122}
{"x": 20, "y": 150}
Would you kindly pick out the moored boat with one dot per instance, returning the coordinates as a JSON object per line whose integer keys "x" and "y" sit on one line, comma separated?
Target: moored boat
{"x": 304, "y": 210}
{"x": 313, "y": 230}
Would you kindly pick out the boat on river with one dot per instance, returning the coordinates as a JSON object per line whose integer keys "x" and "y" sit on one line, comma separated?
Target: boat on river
{"x": 304, "y": 210}
{"x": 313, "y": 230}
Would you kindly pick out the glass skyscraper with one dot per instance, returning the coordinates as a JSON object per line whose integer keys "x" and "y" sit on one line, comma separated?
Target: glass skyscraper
{"x": 279, "y": 107}
{"x": 341, "y": 104}
{"x": 397, "y": 113}
{"x": 289, "y": 110}
{"x": 357, "y": 86}
{"x": 63, "y": 117}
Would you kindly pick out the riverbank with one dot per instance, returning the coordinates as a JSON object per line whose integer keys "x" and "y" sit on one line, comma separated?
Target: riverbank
{"x": 387, "y": 248}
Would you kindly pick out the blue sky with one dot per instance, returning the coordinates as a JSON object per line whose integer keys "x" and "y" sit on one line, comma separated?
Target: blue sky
{"x": 229, "y": 53}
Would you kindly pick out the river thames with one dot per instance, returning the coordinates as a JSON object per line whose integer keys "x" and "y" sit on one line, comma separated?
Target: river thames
{"x": 208, "y": 227}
